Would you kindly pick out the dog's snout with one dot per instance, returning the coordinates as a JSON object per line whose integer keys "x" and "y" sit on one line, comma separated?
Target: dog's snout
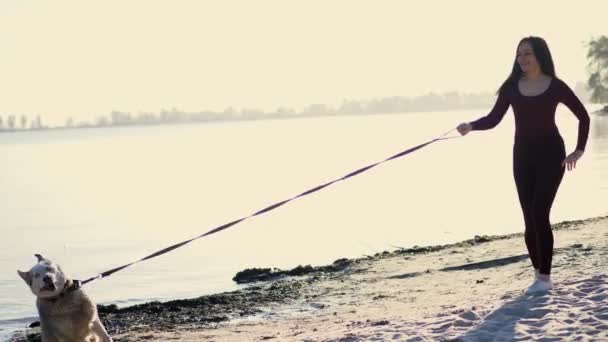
{"x": 47, "y": 280}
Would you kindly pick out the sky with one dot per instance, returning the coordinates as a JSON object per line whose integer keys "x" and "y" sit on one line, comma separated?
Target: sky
{"x": 83, "y": 59}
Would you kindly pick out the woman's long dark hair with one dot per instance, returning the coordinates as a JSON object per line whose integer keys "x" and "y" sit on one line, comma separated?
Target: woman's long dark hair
{"x": 543, "y": 56}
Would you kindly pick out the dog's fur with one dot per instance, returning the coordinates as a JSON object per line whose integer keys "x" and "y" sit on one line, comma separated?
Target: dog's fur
{"x": 66, "y": 313}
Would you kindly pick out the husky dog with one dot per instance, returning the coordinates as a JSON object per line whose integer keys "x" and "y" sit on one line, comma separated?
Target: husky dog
{"x": 66, "y": 313}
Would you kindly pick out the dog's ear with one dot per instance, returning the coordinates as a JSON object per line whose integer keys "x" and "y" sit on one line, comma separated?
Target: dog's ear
{"x": 26, "y": 276}
{"x": 39, "y": 257}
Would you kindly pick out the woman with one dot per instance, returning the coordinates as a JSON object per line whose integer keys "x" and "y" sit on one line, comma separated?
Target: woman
{"x": 539, "y": 156}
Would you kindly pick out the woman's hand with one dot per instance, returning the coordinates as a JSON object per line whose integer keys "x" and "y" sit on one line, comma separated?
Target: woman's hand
{"x": 464, "y": 128}
{"x": 570, "y": 161}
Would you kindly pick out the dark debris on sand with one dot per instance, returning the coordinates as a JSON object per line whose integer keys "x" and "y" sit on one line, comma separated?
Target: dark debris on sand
{"x": 202, "y": 311}
{"x": 251, "y": 275}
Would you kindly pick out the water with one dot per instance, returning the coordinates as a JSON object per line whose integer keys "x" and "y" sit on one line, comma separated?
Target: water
{"x": 94, "y": 199}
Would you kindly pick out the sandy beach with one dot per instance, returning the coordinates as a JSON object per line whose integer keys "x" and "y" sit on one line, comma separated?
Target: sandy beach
{"x": 469, "y": 291}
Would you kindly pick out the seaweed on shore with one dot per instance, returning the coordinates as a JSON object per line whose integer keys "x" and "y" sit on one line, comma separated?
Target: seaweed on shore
{"x": 251, "y": 275}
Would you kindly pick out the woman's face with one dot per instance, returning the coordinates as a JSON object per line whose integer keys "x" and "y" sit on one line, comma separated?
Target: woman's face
{"x": 526, "y": 59}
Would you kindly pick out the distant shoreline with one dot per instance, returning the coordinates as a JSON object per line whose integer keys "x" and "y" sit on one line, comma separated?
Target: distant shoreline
{"x": 601, "y": 112}
{"x": 225, "y": 120}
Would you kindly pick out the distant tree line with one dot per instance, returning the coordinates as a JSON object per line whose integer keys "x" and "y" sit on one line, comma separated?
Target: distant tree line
{"x": 597, "y": 56}
{"x": 395, "y": 104}
{"x": 430, "y": 102}
{"x": 385, "y": 105}
{"x": 21, "y": 122}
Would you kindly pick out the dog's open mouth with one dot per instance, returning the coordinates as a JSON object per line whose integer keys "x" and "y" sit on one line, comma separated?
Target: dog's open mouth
{"x": 49, "y": 287}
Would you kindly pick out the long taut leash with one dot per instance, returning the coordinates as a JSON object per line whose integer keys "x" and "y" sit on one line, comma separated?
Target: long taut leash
{"x": 267, "y": 209}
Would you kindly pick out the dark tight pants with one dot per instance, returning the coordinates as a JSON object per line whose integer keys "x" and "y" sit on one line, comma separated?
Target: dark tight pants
{"x": 538, "y": 173}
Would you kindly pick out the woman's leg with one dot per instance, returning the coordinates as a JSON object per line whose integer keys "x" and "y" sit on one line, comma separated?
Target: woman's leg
{"x": 525, "y": 178}
{"x": 549, "y": 177}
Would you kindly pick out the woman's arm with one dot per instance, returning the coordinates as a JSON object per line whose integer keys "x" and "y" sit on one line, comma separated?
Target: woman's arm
{"x": 571, "y": 101}
{"x": 495, "y": 116}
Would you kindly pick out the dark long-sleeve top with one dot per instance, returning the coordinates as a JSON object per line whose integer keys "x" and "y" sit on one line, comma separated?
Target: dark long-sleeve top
{"x": 535, "y": 115}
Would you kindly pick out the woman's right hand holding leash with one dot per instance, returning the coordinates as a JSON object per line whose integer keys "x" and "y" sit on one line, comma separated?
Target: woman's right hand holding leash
{"x": 464, "y": 128}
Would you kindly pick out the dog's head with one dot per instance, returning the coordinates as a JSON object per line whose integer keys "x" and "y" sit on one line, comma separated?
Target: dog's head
{"x": 45, "y": 279}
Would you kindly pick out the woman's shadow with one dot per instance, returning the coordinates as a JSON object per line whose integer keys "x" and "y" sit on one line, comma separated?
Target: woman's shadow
{"x": 502, "y": 322}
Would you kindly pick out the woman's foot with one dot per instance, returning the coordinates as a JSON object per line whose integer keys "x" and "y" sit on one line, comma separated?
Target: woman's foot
{"x": 541, "y": 284}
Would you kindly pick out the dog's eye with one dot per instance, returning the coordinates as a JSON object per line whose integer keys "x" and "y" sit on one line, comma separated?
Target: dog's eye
{"x": 49, "y": 269}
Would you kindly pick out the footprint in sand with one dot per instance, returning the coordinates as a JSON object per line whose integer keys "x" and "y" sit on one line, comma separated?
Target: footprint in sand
{"x": 588, "y": 320}
{"x": 603, "y": 317}
{"x": 469, "y": 316}
{"x": 462, "y": 323}
{"x": 599, "y": 298}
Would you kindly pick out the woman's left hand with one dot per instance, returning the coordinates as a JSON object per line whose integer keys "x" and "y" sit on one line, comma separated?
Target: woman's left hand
{"x": 570, "y": 161}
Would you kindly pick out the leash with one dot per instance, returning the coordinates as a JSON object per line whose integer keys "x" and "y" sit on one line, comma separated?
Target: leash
{"x": 267, "y": 209}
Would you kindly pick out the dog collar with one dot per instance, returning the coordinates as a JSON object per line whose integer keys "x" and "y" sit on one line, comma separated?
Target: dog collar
{"x": 76, "y": 284}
